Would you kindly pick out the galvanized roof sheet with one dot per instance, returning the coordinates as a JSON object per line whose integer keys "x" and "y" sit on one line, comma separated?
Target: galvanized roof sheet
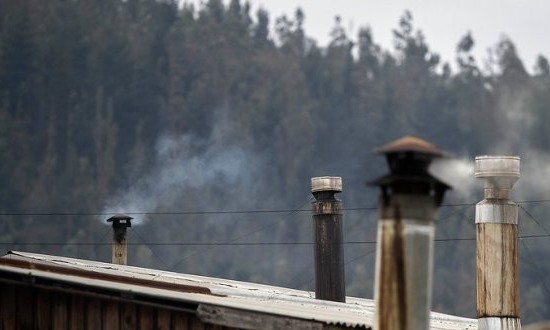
{"x": 356, "y": 312}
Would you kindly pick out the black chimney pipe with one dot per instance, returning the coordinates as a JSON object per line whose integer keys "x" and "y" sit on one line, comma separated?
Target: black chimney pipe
{"x": 328, "y": 233}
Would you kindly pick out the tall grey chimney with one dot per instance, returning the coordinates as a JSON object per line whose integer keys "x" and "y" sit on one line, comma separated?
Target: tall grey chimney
{"x": 497, "y": 244}
{"x": 120, "y": 243}
{"x": 327, "y": 230}
{"x": 409, "y": 206}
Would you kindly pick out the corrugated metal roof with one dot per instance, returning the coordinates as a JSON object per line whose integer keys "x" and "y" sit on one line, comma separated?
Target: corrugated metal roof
{"x": 356, "y": 312}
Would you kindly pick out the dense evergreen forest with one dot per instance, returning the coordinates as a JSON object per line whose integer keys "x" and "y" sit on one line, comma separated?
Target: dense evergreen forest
{"x": 168, "y": 110}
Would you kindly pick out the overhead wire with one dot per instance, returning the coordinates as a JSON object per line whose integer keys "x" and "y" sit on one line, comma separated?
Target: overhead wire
{"x": 533, "y": 218}
{"x": 206, "y": 212}
{"x": 105, "y": 234}
{"x": 309, "y": 265}
{"x": 534, "y": 265}
{"x": 234, "y": 241}
{"x": 214, "y": 244}
{"x": 310, "y": 279}
{"x": 242, "y": 236}
{"x": 159, "y": 258}
{"x": 221, "y": 212}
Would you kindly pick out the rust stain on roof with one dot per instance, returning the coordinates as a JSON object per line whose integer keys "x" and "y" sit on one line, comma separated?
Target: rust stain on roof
{"x": 411, "y": 143}
{"x": 26, "y": 264}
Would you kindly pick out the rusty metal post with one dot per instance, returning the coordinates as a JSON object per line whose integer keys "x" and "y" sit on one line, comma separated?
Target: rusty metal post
{"x": 497, "y": 244}
{"x": 409, "y": 205}
{"x": 120, "y": 244}
{"x": 328, "y": 233}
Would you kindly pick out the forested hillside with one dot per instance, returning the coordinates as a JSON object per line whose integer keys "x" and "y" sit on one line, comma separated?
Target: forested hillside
{"x": 167, "y": 111}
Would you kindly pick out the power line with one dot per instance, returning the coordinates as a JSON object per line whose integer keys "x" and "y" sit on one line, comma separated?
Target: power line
{"x": 533, "y": 218}
{"x": 40, "y": 214}
{"x": 200, "y": 212}
{"x": 230, "y": 243}
{"x": 244, "y": 235}
{"x": 165, "y": 264}
{"x": 105, "y": 234}
{"x": 533, "y": 201}
{"x": 215, "y": 212}
{"x": 310, "y": 279}
{"x": 536, "y": 268}
{"x": 221, "y": 212}
{"x": 359, "y": 257}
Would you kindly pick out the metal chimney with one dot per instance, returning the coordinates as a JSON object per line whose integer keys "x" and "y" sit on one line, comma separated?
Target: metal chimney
{"x": 409, "y": 205}
{"x": 120, "y": 244}
{"x": 327, "y": 230}
{"x": 497, "y": 244}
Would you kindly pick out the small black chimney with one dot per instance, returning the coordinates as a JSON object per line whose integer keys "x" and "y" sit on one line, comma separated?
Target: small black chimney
{"x": 120, "y": 244}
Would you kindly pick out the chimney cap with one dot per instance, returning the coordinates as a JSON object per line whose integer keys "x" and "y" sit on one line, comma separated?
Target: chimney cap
{"x": 118, "y": 217}
{"x": 409, "y": 159}
{"x": 496, "y": 166}
{"x": 326, "y": 183}
{"x": 414, "y": 144}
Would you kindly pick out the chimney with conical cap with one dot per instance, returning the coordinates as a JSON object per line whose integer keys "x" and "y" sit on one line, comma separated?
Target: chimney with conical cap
{"x": 120, "y": 243}
{"x": 409, "y": 204}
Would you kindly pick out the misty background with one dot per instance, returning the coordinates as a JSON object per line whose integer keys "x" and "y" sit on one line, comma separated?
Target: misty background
{"x": 206, "y": 126}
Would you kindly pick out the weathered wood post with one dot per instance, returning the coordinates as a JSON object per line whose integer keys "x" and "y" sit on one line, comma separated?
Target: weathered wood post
{"x": 328, "y": 233}
{"x": 409, "y": 205}
{"x": 120, "y": 243}
{"x": 497, "y": 244}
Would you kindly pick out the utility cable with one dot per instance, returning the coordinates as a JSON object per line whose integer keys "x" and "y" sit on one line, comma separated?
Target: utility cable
{"x": 105, "y": 234}
{"x": 241, "y": 236}
{"x": 533, "y": 218}
{"x": 164, "y": 263}
{"x": 535, "y": 266}
{"x": 537, "y": 269}
{"x": 221, "y": 212}
{"x": 215, "y": 244}
{"x": 311, "y": 280}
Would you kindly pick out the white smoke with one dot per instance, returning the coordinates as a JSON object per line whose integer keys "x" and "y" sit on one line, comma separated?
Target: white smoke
{"x": 457, "y": 172}
{"x": 180, "y": 168}
{"x": 516, "y": 121}
{"x": 533, "y": 183}
{"x": 185, "y": 165}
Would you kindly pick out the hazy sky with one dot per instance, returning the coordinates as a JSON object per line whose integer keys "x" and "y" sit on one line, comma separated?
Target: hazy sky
{"x": 526, "y": 22}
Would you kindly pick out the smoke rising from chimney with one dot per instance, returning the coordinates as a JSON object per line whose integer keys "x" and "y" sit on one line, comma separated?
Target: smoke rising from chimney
{"x": 457, "y": 172}
{"x": 180, "y": 168}
{"x": 516, "y": 121}
{"x": 187, "y": 165}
